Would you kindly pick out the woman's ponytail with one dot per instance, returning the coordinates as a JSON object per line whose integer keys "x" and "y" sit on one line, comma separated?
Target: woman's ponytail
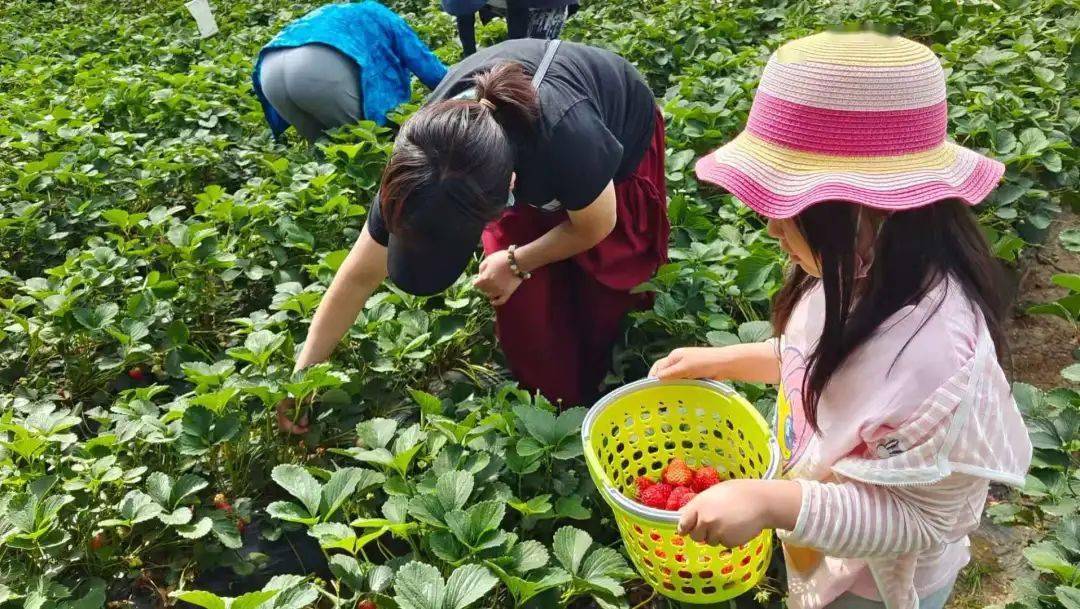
{"x": 461, "y": 151}
{"x": 507, "y": 92}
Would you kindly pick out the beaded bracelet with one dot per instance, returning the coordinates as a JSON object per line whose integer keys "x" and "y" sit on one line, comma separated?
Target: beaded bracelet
{"x": 514, "y": 268}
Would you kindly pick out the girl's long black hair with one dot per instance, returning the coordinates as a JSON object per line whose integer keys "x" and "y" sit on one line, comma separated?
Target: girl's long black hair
{"x": 915, "y": 250}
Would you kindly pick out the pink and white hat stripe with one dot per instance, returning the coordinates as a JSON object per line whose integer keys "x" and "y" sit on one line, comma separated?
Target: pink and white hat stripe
{"x": 859, "y": 117}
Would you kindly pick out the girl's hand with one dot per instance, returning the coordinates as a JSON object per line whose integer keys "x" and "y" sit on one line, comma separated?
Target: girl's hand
{"x": 690, "y": 363}
{"x": 736, "y": 511}
{"x": 495, "y": 279}
{"x": 727, "y": 514}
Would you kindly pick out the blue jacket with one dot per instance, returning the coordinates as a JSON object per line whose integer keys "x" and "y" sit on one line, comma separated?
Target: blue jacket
{"x": 377, "y": 39}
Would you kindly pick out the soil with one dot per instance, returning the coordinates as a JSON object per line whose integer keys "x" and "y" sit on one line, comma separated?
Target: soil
{"x": 1040, "y": 346}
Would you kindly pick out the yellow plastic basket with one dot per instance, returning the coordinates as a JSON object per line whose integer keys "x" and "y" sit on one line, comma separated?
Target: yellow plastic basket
{"x": 634, "y": 431}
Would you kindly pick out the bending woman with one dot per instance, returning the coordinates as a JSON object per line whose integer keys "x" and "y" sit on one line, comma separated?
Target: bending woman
{"x": 339, "y": 64}
{"x": 550, "y": 154}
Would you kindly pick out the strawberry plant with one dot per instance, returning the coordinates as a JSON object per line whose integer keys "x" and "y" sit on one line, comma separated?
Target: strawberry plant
{"x": 161, "y": 258}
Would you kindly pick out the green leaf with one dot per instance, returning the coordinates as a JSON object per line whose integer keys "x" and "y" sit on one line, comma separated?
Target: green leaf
{"x": 528, "y": 555}
{"x": 216, "y": 401}
{"x": 347, "y": 569}
{"x": 755, "y": 331}
{"x": 571, "y": 507}
{"x": 224, "y": 529}
{"x": 535, "y": 506}
{"x": 418, "y": 586}
{"x": 197, "y": 529}
{"x": 1069, "y": 281}
{"x": 290, "y": 512}
{"x": 605, "y": 562}
{"x": 177, "y": 517}
{"x": 1068, "y": 534}
{"x": 343, "y": 483}
{"x": 446, "y": 547}
{"x": 200, "y": 598}
{"x": 379, "y": 578}
{"x": 466, "y": 585}
{"x": 752, "y": 272}
{"x": 376, "y": 433}
{"x": 470, "y": 526}
{"x": 159, "y": 486}
{"x": 137, "y": 507}
{"x": 377, "y": 456}
{"x": 300, "y": 484}
{"x": 98, "y": 318}
{"x": 1071, "y": 373}
{"x": 429, "y": 404}
{"x": 1033, "y": 140}
{"x": 200, "y": 430}
{"x": 1070, "y": 240}
{"x": 333, "y": 535}
{"x": 263, "y": 341}
{"x": 540, "y": 424}
{"x": 570, "y": 545}
{"x": 185, "y": 486}
{"x": 453, "y": 489}
{"x": 251, "y": 600}
{"x": 1068, "y": 596}
{"x": 1047, "y": 557}
{"x": 527, "y": 447}
{"x": 569, "y": 423}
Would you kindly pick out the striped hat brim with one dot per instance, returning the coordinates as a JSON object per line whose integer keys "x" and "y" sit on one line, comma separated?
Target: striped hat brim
{"x": 779, "y": 182}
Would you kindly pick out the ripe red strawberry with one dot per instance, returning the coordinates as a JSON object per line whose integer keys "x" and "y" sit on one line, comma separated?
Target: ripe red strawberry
{"x": 644, "y": 482}
{"x": 222, "y": 503}
{"x": 704, "y": 478}
{"x": 366, "y": 604}
{"x": 678, "y": 498}
{"x": 656, "y": 495}
{"x": 678, "y": 473}
{"x": 137, "y": 374}
{"x": 241, "y": 524}
{"x": 98, "y": 541}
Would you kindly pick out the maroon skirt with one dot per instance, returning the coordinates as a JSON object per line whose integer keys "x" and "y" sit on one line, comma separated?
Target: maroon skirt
{"x": 559, "y": 327}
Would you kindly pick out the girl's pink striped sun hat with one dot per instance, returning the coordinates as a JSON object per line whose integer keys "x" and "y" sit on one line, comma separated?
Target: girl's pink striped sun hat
{"x": 857, "y": 117}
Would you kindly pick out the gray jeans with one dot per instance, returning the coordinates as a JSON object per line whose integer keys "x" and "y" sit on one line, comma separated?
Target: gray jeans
{"x": 314, "y": 87}
{"x": 934, "y": 600}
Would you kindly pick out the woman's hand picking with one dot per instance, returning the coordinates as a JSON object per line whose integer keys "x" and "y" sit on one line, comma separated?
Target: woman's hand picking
{"x": 495, "y": 279}
{"x": 285, "y": 421}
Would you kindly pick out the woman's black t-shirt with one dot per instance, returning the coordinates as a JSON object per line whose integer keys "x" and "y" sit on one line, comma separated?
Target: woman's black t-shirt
{"x": 596, "y": 121}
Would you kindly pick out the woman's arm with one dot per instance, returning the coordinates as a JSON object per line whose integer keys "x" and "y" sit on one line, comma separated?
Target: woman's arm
{"x": 361, "y": 273}
{"x": 749, "y": 363}
{"x": 583, "y": 230}
{"x": 416, "y": 55}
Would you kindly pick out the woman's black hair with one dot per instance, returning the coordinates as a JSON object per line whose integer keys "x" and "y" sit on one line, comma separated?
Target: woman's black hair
{"x": 464, "y": 145}
{"x": 915, "y": 250}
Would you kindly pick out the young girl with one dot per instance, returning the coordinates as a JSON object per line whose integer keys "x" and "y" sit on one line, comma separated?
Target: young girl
{"x": 895, "y": 414}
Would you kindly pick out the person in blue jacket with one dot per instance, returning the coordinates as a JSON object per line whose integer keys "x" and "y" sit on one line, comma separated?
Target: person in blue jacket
{"x": 339, "y": 64}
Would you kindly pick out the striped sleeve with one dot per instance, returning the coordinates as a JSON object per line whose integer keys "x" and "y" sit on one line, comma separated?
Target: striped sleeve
{"x": 856, "y": 520}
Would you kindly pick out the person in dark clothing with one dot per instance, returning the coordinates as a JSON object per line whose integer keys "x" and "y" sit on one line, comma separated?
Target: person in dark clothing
{"x": 542, "y": 19}
{"x": 551, "y": 155}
